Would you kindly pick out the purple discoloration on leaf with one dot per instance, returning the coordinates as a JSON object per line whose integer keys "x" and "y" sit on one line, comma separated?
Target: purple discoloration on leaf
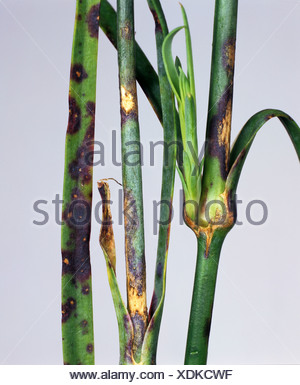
{"x": 153, "y": 306}
{"x": 77, "y": 264}
{"x": 132, "y": 115}
{"x": 136, "y": 269}
{"x": 92, "y": 20}
{"x": 74, "y": 117}
{"x": 217, "y": 149}
{"x": 67, "y": 309}
{"x": 78, "y": 73}
{"x": 90, "y": 109}
{"x": 85, "y": 289}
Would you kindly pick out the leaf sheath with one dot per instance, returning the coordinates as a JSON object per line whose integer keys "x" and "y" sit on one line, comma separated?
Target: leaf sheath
{"x": 216, "y": 165}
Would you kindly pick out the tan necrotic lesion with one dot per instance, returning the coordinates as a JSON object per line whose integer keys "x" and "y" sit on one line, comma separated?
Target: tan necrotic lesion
{"x": 224, "y": 129}
{"x": 128, "y": 102}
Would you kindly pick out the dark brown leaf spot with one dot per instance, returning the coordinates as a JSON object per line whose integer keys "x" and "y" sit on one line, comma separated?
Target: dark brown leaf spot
{"x": 85, "y": 290}
{"x": 138, "y": 323}
{"x": 228, "y": 56}
{"x": 136, "y": 269}
{"x": 67, "y": 309}
{"x": 156, "y": 20}
{"x": 74, "y": 117}
{"x": 217, "y": 149}
{"x": 268, "y": 117}
{"x": 74, "y": 169}
{"x": 92, "y": 20}
{"x": 90, "y": 108}
{"x": 77, "y": 262}
{"x": 90, "y": 348}
{"x": 78, "y": 73}
{"x": 153, "y": 306}
{"x": 84, "y": 323}
{"x": 159, "y": 270}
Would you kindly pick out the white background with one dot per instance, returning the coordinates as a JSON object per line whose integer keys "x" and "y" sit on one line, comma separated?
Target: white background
{"x": 257, "y": 313}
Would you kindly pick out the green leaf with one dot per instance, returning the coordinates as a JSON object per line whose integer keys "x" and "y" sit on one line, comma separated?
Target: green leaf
{"x": 169, "y": 62}
{"x": 190, "y": 122}
{"x": 185, "y": 188}
{"x": 187, "y": 167}
{"x": 246, "y": 137}
{"x": 177, "y": 64}
{"x": 189, "y": 53}
{"x": 183, "y": 85}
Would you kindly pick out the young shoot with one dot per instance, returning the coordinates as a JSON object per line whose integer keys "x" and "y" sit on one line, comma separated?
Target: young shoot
{"x": 183, "y": 86}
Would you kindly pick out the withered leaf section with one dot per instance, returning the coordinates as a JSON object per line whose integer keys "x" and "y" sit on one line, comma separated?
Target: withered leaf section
{"x": 107, "y": 243}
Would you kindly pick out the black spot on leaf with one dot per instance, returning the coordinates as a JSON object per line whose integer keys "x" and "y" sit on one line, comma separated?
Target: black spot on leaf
{"x": 92, "y": 20}
{"x": 74, "y": 117}
{"x": 78, "y": 73}
{"x": 67, "y": 309}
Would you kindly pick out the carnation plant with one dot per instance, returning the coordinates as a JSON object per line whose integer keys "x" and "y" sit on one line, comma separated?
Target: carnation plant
{"x": 209, "y": 183}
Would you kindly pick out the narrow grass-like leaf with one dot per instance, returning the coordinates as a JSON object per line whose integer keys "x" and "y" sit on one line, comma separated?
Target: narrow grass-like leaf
{"x": 168, "y": 175}
{"x": 185, "y": 93}
{"x": 246, "y": 137}
{"x": 169, "y": 62}
{"x": 107, "y": 243}
{"x": 184, "y": 185}
{"x": 189, "y": 53}
{"x": 178, "y": 64}
{"x": 191, "y": 123}
{"x": 77, "y": 312}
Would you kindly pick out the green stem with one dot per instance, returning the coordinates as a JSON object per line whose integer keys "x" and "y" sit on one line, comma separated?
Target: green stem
{"x": 145, "y": 73}
{"x": 132, "y": 177}
{"x": 203, "y": 297}
{"x": 77, "y": 310}
{"x": 216, "y": 164}
{"x": 168, "y": 176}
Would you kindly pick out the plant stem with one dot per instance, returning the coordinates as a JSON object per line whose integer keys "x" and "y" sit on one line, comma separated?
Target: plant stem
{"x": 216, "y": 165}
{"x": 77, "y": 311}
{"x": 209, "y": 230}
{"x": 203, "y": 297}
{"x": 168, "y": 176}
{"x": 145, "y": 73}
{"x": 132, "y": 177}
